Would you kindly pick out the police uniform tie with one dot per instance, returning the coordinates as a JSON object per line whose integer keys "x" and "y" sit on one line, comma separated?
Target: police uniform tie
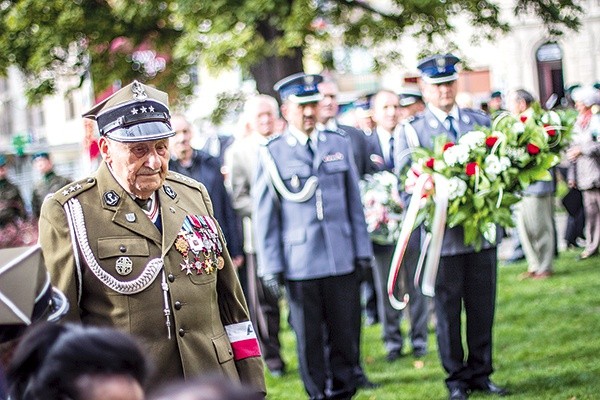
{"x": 390, "y": 161}
{"x": 451, "y": 129}
{"x": 309, "y": 148}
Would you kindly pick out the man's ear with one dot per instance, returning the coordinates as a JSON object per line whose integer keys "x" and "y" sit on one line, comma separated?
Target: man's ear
{"x": 104, "y": 147}
{"x": 284, "y": 110}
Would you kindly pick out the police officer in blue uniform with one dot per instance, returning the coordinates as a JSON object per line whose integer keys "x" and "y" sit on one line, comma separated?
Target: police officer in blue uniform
{"x": 311, "y": 234}
{"x": 465, "y": 278}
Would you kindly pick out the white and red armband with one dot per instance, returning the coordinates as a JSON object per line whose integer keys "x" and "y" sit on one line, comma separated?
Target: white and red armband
{"x": 243, "y": 340}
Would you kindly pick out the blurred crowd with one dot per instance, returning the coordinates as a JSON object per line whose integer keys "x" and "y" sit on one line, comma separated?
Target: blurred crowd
{"x": 289, "y": 238}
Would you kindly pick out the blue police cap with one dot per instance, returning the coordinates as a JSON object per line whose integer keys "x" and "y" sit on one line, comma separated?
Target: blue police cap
{"x": 439, "y": 68}
{"x": 135, "y": 113}
{"x": 40, "y": 154}
{"x": 409, "y": 95}
{"x": 299, "y": 88}
{"x": 496, "y": 94}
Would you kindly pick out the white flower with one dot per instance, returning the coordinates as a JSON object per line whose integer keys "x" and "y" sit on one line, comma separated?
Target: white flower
{"x": 456, "y": 154}
{"x": 518, "y": 127}
{"x": 456, "y": 188}
{"x": 494, "y": 165}
{"x": 551, "y": 118}
{"x": 472, "y": 139}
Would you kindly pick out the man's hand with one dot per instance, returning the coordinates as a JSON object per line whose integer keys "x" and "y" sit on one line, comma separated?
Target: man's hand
{"x": 362, "y": 266}
{"x": 573, "y": 153}
{"x": 271, "y": 284}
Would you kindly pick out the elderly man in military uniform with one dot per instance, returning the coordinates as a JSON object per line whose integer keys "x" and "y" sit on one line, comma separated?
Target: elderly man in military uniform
{"x": 311, "y": 233}
{"x": 137, "y": 247}
{"x": 49, "y": 183}
{"x": 465, "y": 278}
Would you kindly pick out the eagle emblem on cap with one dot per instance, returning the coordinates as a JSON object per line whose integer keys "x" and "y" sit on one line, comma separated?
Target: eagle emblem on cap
{"x": 441, "y": 63}
{"x": 139, "y": 93}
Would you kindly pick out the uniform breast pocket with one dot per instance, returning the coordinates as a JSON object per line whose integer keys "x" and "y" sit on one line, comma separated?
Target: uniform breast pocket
{"x": 124, "y": 258}
{"x": 294, "y": 176}
{"x": 333, "y": 167}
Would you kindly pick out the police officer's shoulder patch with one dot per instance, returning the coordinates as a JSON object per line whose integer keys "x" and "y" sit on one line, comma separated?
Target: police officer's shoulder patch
{"x": 74, "y": 189}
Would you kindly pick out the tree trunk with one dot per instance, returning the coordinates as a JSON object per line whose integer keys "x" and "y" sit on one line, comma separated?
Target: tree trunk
{"x": 271, "y": 69}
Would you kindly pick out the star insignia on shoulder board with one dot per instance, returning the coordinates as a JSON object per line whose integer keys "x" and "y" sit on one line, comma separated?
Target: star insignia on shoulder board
{"x": 65, "y": 192}
{"x": 143, "y": 109}
{"x": 150, "y": 109}
{"x": 134, "y": 110}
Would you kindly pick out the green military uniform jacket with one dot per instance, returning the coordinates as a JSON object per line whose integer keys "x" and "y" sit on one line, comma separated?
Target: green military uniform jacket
{"x": 210, "y": 332}
{"x": 50, "y": 183}
{"x": 11, "y": 203}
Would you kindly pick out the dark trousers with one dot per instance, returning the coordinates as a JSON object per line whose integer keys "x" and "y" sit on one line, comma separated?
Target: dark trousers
{"x": 469, "y": 280}
{"x": 323, "y": 316}
{"x": 266, "y": 316}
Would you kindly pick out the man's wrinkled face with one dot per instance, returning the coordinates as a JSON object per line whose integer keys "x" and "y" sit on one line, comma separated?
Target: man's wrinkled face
{"x": 181, "y": 143}
{"x": 328, "y": 106}
{"x": 140, "y": 167}
{"x": 301, "y": 116}
{"x": 386, "y": 110}
{"x": 441, "y": 95}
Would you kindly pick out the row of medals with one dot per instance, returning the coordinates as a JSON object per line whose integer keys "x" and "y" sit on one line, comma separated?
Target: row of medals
{"x": 198, "y": 237}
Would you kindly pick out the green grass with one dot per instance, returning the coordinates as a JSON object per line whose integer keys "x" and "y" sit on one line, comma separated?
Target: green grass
{"x": 546, "y": 343}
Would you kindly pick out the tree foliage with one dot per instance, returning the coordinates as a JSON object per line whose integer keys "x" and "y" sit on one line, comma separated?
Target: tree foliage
{"x": 159, "y": 41}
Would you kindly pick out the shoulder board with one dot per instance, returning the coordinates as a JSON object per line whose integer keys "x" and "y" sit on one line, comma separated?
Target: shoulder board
{"x": 338, "y": 131}
{"x": 475, "y": 111}
{"x": 271, "y": 139}
{"x": 180, "y": 178}
{"x": 73, "y": 189}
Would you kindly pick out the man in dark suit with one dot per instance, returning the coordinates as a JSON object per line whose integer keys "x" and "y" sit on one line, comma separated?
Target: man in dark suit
{"x": 311, "y": 232}
{"x": 206, "y": 169}
{"x": 465, "y": 278}
{"x": 386, "y": 113}
{"x": 327, "y": 113}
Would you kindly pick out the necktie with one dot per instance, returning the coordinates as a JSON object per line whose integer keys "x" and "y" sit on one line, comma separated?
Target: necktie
{"x": 390, "y": 161}
{"x": 146, "y": 204}
{"x": 451, "y": 128}
{"x": 309, "y": 148}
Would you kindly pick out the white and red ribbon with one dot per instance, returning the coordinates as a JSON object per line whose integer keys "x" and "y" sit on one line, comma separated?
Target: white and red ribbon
{"x": 431, "y": 249}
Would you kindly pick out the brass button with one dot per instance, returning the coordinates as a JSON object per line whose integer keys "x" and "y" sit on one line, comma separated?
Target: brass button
{"x": 171, "y": 278}
{"x": 122, "y": 248}
{"x": 178, "y": 305}
{"x": 90, "y": 180}
{"x": 181, "y": 333}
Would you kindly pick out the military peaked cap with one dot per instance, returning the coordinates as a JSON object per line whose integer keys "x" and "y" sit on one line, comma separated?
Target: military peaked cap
{"x": 135, "y": 113}
{"x": 439, "y": 68}
{"x": 299, "y": 88}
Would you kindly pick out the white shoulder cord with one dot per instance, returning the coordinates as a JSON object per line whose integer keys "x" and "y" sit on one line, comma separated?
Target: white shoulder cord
{"x": 134, "y": 286}
{"x": 307, "y": 191}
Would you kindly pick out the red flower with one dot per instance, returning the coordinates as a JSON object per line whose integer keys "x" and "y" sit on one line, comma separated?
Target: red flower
{"x": 448, "y": 145}
{"x": 550, "y": 130}
{"x": 430, "y": 163}
{"x": 523, "y": 118}
{"x": 471, "y": 168}
{"x": 532, "y": 149}
{"x": 491, "y": 141}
